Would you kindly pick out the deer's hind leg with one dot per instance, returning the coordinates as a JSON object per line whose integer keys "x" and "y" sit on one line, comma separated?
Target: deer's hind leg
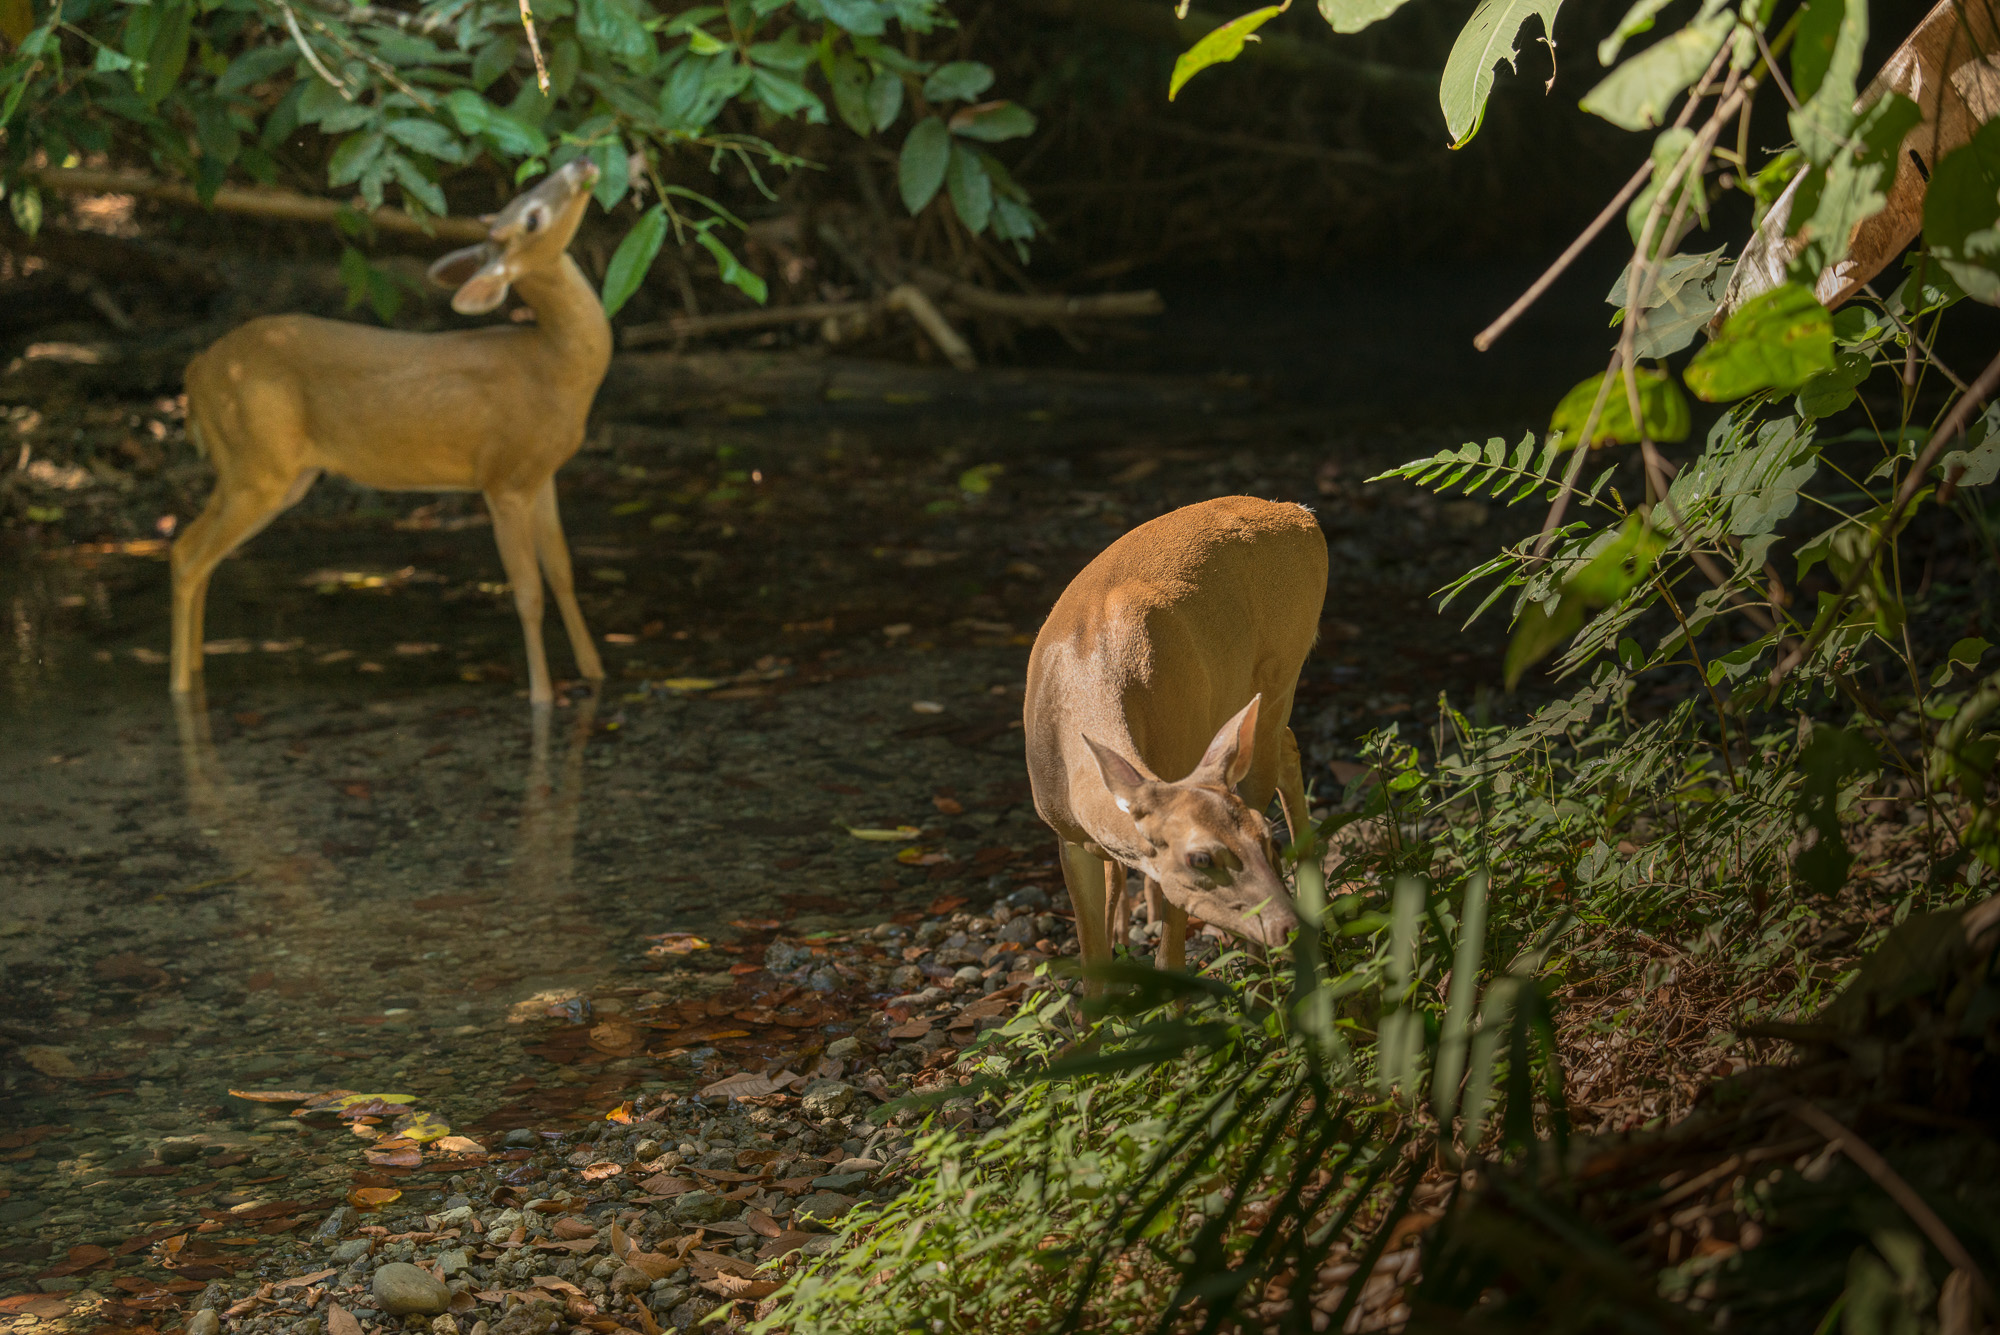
{"x": 237, "y": 511}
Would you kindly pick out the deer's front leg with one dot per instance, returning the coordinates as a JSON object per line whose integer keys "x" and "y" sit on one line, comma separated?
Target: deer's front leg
{"x": 514, "y": 533}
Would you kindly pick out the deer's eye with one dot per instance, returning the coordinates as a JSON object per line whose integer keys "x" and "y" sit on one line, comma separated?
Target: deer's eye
{"x": 1200, "y": 860}
{"x": 533, "y": 222}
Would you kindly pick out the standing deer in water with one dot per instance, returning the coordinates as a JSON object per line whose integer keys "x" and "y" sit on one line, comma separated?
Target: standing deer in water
{"x": 495, "y": 410}
{"x": 1176, "y": 652}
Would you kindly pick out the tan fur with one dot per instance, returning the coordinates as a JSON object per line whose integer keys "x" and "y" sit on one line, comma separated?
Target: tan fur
{"x": 1177, "y": 650}
{"x": 495, "y": 410}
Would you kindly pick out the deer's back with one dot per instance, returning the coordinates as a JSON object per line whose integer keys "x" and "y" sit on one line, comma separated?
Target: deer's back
{"x": 387, "y": 407}
{"x": 1173, "y": 628}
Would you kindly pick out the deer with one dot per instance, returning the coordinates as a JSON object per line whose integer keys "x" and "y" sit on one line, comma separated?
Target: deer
{"x": 1176, "y": 652}
{"x": 284, "y": 398}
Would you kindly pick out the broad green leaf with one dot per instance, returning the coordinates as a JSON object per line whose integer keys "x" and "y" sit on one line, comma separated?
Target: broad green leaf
{"x": 110, "y": 61}
{"x": 494, "y": 59}
{"x": 992, "y": 122}
{"x": 1777, "y": 340}
{"x": 1638, "y": 19}
{"x": 1660, "y": 400}
{"x": 355, "y": 155}
{"x": 1832, "y": 201}
{"x": 863, "y": 18}
{"x": 1827, "y": 57}
{"x": 632, "y": 259}
{"x": 1966, "y": 653}
{"x": 416, "y": 185}
{"x": 1816, "y": 44}
{"x": 786, "y": 96}
{"x": 1685, "y": 293}
{"x": 848, "y": 79}
{"x": 254, "y": 66}
{"x": 426, "y": 137}
{"x": 732, "y": 270}
{"x": 614, "y": 171}
{"x": 970, "y": 187}
{"x": 1356, "y": 15}
{"x": 1621, "y": 561}
{"x": 788, "y": 53}
{"x": 510, "y": 134}
{"x": 1221, "y": 46}
{"x": 920, "y": 171}
{"x": 1962, "y": 214}
{"x": 166, "y": 54}
{"x": 885, "y": 98}
{"x": 25, "y": 204}
{"x": 958, "y": 81}
{"x": 612, "y": 27}
{"x": 1636, "y": 95}
{"x": 1979, "y": 462}
{"x": 1486, "y": 40}
{"x": 1834, "y": 388}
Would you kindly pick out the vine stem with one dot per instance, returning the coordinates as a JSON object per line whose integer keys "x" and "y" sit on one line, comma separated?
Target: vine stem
{"x": 1491, "y": 334}
{"x": 1916, "y": 1207}
{"x": 312, "y": 56}
{"x": 1948, "y": 430}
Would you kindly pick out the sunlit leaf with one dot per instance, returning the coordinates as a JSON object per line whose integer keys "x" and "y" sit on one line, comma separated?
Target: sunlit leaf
{"x": 1778, "y": 340}
{"x": 633, "y": 258}
{"x": 1486, "y": 39}
{"x": 1664, "y": 409}
{"x": 1220, "y": 46}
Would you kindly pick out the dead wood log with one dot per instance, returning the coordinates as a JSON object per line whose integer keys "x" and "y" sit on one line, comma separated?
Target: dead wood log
{"x": 1051, "y": 308}
{"x": 254, "y": 201}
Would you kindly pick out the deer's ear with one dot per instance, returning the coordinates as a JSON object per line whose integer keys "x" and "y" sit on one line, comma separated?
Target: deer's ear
{"x": 1125, "y": 780}
{"x": 454, "y": 269}
{"x": 1228, "y": 757}
{"x": 484, "y": 291}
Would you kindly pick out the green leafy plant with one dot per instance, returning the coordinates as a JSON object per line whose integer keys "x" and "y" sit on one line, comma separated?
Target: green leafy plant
{"x": 397, "y": 103}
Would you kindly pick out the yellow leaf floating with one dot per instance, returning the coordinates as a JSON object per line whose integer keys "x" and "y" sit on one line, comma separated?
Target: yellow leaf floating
{"x": 675, "y": 943}
{"x": 901, "y": 834}
{"x": 688, "y": 684}
{"x": 420, "y": 1126}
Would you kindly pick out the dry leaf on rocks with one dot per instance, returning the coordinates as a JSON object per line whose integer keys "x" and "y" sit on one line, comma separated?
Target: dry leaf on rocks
{"x": 569, "y": 1226}
{"x": 748, "y": 1085}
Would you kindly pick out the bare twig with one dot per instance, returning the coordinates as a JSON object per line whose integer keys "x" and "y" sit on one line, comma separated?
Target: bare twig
{"x": 1491, "y": 334}
{"x": 312, "y": 56}
{"x": 1909, "y": 331}
{"x": 1916, "y": 1207}
{"x": 262, "y": 201}
{"x": 535, "y": 48}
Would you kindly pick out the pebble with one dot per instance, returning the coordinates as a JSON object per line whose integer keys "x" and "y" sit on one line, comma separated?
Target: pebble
{"x": 826, "y": 1098}
{"x": 843, "y": 1048}
{"x": 822, "y": 1206}
{"x": 352, "y": 1250}
{"x": 178, "y": 1151}
{"x": 401, "y": 1289}
{"x": 454, "y": 1263}
{"x": 336, "y": 1223}
{"x": 701, "y": 1207}
{"x": 204, "y": 1322}
{"x": 529, "y": 1319}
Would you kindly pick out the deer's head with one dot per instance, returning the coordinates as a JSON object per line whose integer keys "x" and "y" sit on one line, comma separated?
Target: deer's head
{"x": 1211, "y": 854}
{"x": 530, "y": 234}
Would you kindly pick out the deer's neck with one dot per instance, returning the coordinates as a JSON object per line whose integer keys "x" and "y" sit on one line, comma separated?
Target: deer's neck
{"x": 569, "y": 319}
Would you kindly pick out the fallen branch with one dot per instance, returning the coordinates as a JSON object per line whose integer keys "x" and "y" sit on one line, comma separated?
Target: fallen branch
{"x": 912, "y": 301}
{"x": 255, "y": 201}
{"x": 696, "y": 326}
{"x": 1046, "y": 309}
